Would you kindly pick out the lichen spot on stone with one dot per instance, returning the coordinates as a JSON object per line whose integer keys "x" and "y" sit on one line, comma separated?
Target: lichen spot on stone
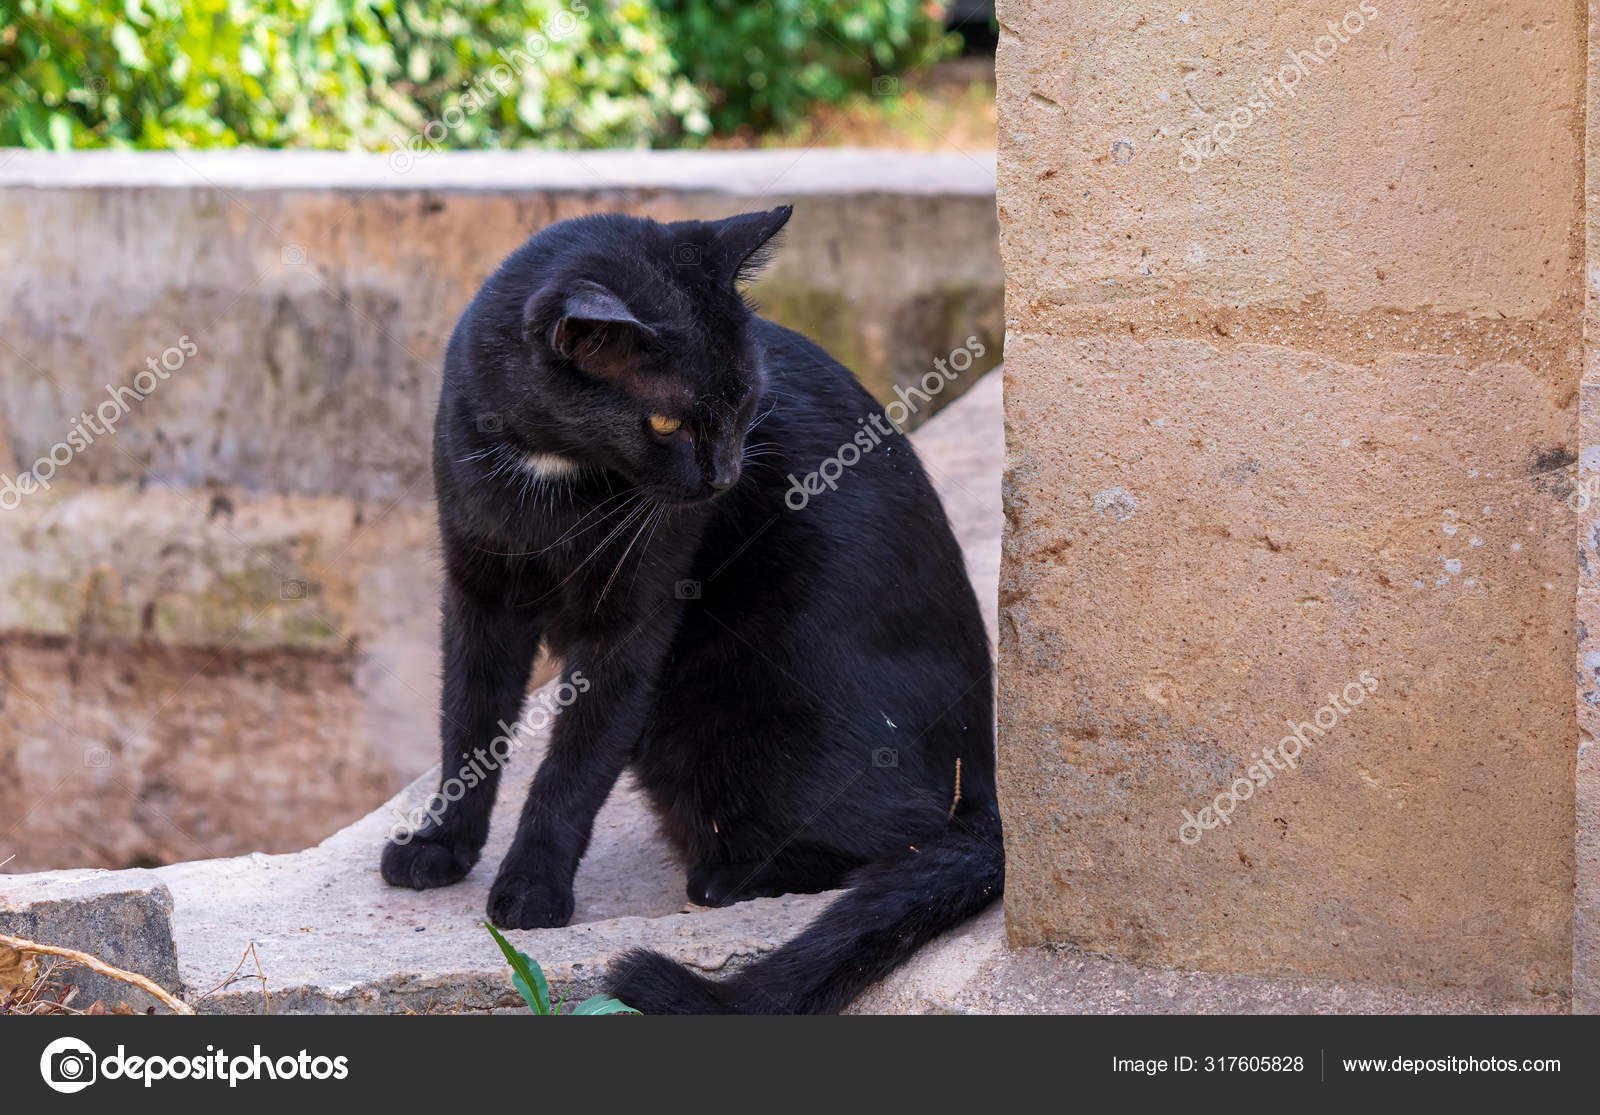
{"x": 1116, "y": 502}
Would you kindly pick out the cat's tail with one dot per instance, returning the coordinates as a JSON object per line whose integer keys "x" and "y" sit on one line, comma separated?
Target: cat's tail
{"x": 891, "y": 911}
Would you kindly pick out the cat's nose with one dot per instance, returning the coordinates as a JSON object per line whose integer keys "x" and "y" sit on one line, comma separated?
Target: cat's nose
{"x": 725, "y": 477}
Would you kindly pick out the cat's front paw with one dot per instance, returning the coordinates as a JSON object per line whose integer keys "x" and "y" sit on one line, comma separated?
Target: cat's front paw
{"x": 428, "y": 860}
{"x": 519, "y": 902}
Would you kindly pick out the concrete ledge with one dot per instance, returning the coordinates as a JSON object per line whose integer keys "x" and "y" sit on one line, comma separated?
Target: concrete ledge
{"x": 973, "y": 972}
{"x": 333, "y": 938}
{"x": 838, "y": 170}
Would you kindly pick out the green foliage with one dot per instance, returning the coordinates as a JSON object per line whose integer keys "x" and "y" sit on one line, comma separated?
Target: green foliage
{"x": 528, "y": 978}
{"x": 338, "y": 73}
{"x": 765, "y": 62}
{"x": 431, "y": 74}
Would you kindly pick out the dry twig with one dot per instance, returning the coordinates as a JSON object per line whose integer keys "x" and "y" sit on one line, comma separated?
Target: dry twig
{"x": 249, "y": 954}
{"x": 95, "y": 964}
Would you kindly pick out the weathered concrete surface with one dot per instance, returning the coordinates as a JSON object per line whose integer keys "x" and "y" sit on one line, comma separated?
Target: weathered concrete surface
{"x": 1304, "y": 410}
{"x": 170, "y": 662}
{"x": 123, "y": 917}
{"x": 243, "y": 572}
{"x": 331, "y": 937}
{"x": 973, "y": 971}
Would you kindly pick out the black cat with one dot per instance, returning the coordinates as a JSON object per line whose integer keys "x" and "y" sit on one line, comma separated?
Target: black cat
{"x": 804, "y": 694}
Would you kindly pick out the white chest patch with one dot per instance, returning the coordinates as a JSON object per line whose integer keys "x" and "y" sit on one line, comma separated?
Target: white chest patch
{"x": 549, "y": 466}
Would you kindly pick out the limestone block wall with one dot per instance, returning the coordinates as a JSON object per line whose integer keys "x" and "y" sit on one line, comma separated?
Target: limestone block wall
{"x": 1295, "y": 304}
{"x": 1586, "y": 912}
{"x": 218, "y": 625}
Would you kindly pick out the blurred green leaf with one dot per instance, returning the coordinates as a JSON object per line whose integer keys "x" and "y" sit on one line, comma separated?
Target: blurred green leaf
{"x": 527, "y": 977}
{"x": 129, "y": 49}
{"x": 61, "y": 132}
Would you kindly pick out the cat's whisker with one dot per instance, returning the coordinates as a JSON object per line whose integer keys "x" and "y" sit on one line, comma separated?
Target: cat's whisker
{"x": 575, "y": 530}
{"x": 639, "y": 509}
{"x": 634, "y": 506}
{"x": 628, "y": 520}
{"x": 626, "y": 551}
{"x": 660, "y": 517}
{"x": 510, "y": 460}
{"x": 572, "y": 531}
{"x": 529, "y": 482}
{"x": 762, "y": 417}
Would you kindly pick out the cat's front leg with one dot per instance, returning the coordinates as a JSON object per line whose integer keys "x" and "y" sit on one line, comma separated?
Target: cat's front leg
{"x": 488, "y": 651}
{"x": 592, "y": 742}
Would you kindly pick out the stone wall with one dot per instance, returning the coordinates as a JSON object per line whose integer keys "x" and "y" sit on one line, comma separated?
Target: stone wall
{"x": 1294, "y": 317}
{"x": 218, "y": 628}
{"x": 1586, "y": 915}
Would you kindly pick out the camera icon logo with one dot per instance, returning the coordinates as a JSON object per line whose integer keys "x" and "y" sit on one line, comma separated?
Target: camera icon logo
{"x": 687, "y": 590}
{"x": 96, "y": 757}
{"x": 68, "y": 1065}
{"x": 686, "y": 255}
{"x": 293, "y": 255}
{"x": 490, "y": 423}
{"x": 293, "y": 590}
{"x": 885, "y": 757}
{"x": 885, "y": 86}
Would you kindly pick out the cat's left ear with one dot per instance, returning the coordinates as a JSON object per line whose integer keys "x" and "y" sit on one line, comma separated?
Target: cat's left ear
{"x": 588, "y": 325}
{"x": 744, "y": 244}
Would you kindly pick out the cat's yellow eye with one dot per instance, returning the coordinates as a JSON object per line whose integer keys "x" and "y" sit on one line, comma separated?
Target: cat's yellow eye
{"x": 663, "y": 425}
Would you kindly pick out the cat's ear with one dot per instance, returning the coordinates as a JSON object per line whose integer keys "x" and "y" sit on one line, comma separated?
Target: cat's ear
{"x": 744, "y": 244}
{"x": 588, "y": 325}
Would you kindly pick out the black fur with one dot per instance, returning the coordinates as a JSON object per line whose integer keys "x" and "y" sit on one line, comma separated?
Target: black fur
{"x": 793, "y": 689}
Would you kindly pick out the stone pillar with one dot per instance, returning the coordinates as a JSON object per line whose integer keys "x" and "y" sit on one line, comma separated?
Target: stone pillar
{"x": 1294, "y": 312}
{"x": 1586, "y": 913}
